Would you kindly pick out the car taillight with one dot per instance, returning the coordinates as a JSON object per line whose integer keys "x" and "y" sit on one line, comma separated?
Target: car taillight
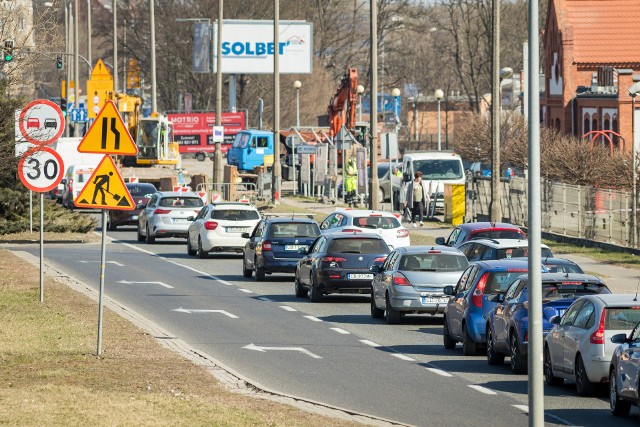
{"x": 266, "y": 246}
{"x": 380, "y": 259}
{"x": 333, "y": 259}
{"x": 161, "y": 211}
{"x": 71, "y": 185}
{"x": 351, "y": 230}
{"x": 401, "y": 280}
{"x": 476, "y": 298}
{"x": 403, "y": 233}
{"x": 210, "y": 225}
{"x": 598, "y": 336}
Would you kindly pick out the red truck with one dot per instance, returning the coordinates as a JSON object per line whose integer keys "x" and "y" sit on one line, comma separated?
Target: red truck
{"x": 194, "y": 132}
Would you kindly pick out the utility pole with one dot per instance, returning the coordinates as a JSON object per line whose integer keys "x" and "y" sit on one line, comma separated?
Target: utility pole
{"x": 217, "y": 155}
{"x": 67, "y": 51}
{"x": 276, "y": 104}
{"x": 114, "y": 8}
{"x": 154, "y": 98}
{"x": 89, "y": 32}
{"x": 373, "y": 152}
{"x": 76, "y": 68}
{"x": 496, "y": 201}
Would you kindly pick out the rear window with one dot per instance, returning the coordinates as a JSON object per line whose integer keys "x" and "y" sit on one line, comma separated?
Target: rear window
{"x": 141, "y": 189}
{"x": 433, "y": 262}
{"x": 621, "y": 318}
{"x": 564, "y": 268}
{"x": 358, "y": 246}
{"x": 179, "y": 202}
{"x": 499, "y": 282}
{"x": 375, "y": 222}
{"x": 500, "y": 234}
{"x": 521, "y": 252}
{"x": 555, "y": 291}
{"x": 295, "y": 229}
{"x": 234, "y": 214}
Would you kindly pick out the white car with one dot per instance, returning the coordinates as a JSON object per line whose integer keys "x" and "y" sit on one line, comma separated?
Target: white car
{"x": 219, "y": 228}
{"x": 579, "y": 346}
{"x": 385, "y": 224}
{"x": 167, "y": 215}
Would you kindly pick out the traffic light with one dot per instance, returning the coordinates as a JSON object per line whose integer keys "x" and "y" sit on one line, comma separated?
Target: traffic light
{"x": 63, "y": 106}
{"x": 8, "y": 50}
{"x": 59, "y": 63}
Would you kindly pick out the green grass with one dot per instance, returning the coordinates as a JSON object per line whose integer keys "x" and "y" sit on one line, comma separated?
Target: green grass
{"x": 608, "y": 257}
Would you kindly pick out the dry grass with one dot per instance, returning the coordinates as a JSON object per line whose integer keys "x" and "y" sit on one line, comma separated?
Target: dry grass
{"x": 51, "y": 376}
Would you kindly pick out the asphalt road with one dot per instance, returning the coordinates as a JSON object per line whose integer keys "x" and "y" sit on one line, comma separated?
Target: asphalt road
{"x": 332, "y": 352}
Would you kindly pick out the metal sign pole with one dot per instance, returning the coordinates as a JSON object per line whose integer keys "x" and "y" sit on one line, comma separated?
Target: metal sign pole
{"x": 293, "y": 153}
{"x": 30, "y": 211}
{"x": 102, "y": 264}
{"x": 41, "y": 247}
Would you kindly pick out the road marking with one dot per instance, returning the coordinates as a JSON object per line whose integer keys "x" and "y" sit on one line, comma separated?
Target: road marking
{"x": 370, "y": 343}
{"x": 523, "y": 408}
{"x": 264, "y": 349}
{"x": 195, "y": 310}
{"x": 403, "y": 357}
{"x": 313, "y": 318}
{"x": 287, "y": 308}
{"x": 246, "y": 291}
{"x": 482, "y": 389}
{"x": 439, "y": 372}
{"x": 106, "y": 262}
{"x": 265, "y": 299}
{"x": 127, "y": 282}
{"x": 340, "y": 331}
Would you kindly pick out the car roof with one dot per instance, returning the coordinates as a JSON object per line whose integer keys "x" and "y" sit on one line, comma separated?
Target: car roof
{"x": 568, "y": 277}
{"x": 290, "y": 220}
{"x": 552, "y": 260}
{"x": 352, "y": 235}
{"x": 503, "y": 243}
{"x": 426, "y": 248}
{"x": 474, "y": 226}
{"x": 618, "y": 300}
{"x": 233, "y": 205}
{"x": 177, "y": 194}
{"x": 503, "y": 263}
{"x": 433, "y": 154}
{"x": 352, "y": 212}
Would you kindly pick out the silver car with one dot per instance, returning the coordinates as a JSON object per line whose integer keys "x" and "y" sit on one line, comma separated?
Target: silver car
{"x": 412, "y": 280}
{"x": 625, "y": 372}
{"x": 167, "y": 215}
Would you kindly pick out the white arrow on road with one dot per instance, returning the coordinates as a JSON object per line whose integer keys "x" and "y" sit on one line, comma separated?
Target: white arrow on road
{"x": 106, "y": 262}
{"x": 264, "y": 349}
{"x": 193, "y": 310}
{"x": 127, "y": 282}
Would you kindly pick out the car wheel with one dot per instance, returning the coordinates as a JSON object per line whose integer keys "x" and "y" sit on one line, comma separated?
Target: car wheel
{"x": 300, "y": 291}
{"x": 111, "y": 226}
{"x": 380, "y": 195}
{"x": 190, "y": 250}
{"x": 620, "y": 408}
{"x": 549, "y": 378}
{"x": 200, "y": 157}
{"x": 518, "y": 363}
{"x": 449, "y": 343}
{"x": 315, "y": 295}
{"x": 584, "y": 387}
{"x": 202, "y": 254}
{"x": 245, "y": 271}
{"x": 469, "y": 346}
{"x": 493, "y": 358}
{"x": 260, "y": 272}
{"x": 376, "y": 313}
{"x": 140, "y": 236}
{"x": 393, "y": 317}
{"x": 149, "y": 238}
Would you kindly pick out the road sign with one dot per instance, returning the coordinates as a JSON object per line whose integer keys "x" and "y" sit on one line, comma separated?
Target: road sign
{"x": 41, "y": 122}
{"x": 218, "y": 134}
{"x": 79, "y": 114}
{"x": 306, "y": 149}
{"x": 108, "y": 134}
{"x": 41, "y": 169}
{"x": 105, "y": 189}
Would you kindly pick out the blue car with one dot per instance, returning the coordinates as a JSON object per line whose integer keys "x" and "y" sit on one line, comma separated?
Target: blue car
{"x": 507, "y": 324}
{"x": 474, "y": 296}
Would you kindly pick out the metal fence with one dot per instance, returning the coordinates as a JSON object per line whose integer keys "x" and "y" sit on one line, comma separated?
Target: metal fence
{"x": 602, "y": 215}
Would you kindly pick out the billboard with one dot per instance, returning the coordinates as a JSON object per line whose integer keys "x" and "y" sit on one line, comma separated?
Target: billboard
{"x": 194, "y": 131}
{"x": 247, "y": 47}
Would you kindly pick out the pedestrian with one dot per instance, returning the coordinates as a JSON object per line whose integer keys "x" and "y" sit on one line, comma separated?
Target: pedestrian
{"x": 417, "y": 198}
{"x": 351, "y": 181}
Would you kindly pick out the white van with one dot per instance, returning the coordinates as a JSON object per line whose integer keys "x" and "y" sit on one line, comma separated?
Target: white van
{"x": 438, "y": 168}
{"x": 76, "y": 177}
{"x": 67, "y": 148}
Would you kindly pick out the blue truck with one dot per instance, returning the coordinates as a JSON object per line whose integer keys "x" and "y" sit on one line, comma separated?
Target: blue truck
{"x": 251, "y": 148}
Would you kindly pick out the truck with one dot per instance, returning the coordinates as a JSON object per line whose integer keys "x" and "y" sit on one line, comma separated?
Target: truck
{"x": 251, "y": 148}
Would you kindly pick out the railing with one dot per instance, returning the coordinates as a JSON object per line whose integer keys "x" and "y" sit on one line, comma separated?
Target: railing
{"x": 231, "y": 192}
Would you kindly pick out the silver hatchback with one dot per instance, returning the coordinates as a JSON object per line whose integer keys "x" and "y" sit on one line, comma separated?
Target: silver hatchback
{"x": 167, "y": 215}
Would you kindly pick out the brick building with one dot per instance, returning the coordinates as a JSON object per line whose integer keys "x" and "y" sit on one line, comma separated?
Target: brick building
{"x": 591, "y": 57}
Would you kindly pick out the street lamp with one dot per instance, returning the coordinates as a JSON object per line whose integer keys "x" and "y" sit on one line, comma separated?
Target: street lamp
{"x": 439, "y": 94}
{"x": 396, "y": 95}
{"x": 633, "y": 92}
{"x": 297, "y": 85}
{"x": 360, "y": 90}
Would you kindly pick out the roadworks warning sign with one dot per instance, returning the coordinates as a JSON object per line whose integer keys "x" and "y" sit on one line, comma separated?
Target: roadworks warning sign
{"x": 105, "y": 189}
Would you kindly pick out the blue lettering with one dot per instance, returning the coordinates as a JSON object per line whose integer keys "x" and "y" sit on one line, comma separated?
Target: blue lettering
{"x": 248, "y": 50}
{"x": 282, "y": 46}
{"x": 270, "y": 48}
{"x": 261, "y": 48}
{"x": 237, "y": 48}
{"x": 225, "y": 48}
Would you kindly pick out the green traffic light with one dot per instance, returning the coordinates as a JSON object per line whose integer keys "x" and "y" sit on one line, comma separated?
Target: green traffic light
{"x": 8, "y": 57}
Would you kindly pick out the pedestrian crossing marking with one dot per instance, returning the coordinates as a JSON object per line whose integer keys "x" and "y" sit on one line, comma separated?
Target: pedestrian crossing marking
{"x": 105, "y": 189}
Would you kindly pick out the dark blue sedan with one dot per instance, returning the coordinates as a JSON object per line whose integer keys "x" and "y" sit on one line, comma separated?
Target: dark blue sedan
{"x": 507, "y": 324}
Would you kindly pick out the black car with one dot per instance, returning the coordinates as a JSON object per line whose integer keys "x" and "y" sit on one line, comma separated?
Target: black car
{"x": 339, "y": 264}
{"x": 276, "y": 245}
{"x": 140, "y": 193}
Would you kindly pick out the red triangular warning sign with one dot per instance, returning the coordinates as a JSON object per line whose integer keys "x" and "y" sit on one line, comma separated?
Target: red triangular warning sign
{"x": 108, "y": 134}
{"x": 105, "y": 189}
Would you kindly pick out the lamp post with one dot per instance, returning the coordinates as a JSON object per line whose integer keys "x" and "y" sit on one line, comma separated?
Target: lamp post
{"x": 439, "y": 94}
{"x": 633, "y": 91}
{"x": 360, "y": 90}
{"x": 297, "y": 85}
{"x": 154, "y": 98}
{"x": 396, "y": 95}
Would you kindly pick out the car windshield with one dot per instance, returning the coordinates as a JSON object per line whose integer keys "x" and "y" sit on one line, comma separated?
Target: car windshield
{"x": 556, "y": 291}
{"x": 375, "y": 222}
{"x": 499, "y": 282}
{"x": 140, "y": 190}
{"x": 563, "y": 268}
{"x": 382, "y": 170}
{"x": 621, "y": 318}
{"x": 181, "y": 202}
{"x": 241, "y": 140}
{"x": 439, "y": 168}
{"x": 358, "y": 245}
{"x": 294, "y": 229}
{"x": 433, "y": 262}
{"x": 500, "y": 234}
{"x": 521, "y": 252}
{"x": 234, "y": 214}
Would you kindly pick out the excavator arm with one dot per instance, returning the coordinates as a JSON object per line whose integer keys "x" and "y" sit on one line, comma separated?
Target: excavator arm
{"x": 342, "y": 107}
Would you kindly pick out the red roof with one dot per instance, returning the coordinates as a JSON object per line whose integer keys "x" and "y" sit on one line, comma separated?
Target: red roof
{"x": 604, "y": 31}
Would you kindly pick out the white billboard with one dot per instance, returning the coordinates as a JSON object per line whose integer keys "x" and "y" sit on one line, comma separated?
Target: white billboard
{"x": 247, "y": 47}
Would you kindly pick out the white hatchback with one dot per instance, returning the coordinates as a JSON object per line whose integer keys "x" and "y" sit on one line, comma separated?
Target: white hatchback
{"x": 219, "y": 228}
{"x": 385, "y": 224}
{"x": 166, "y": 215}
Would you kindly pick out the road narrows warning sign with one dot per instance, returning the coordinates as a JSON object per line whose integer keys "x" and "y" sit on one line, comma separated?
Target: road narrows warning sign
{"x": 108, "y": 134}
{"x": 105, "y": 189}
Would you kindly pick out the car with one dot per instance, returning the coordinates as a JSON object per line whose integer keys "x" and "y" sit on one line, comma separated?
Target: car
{"x": 167, "y": 214}
{"x": 50, "y": 123}
{"x": 140, "y": 193}
{"x": 624, "y": 377}
{"x": 275, "y": 245}
{"x": 221, "y": 227}
{"x": 76, "y": 178}
{"x": 484, "y": 249}
{"x": 339, "y": 263}
{"x": 350, "y": 221}
{"x": 507, "y": 329}
{"x": 579, "y": 346}
{"x": 491, "y": 230}
{"x": 559, "y": 265}
{"x": 33, "y": 123}
{"x": 473, "y": 297}
{"x": 412, "y": 279}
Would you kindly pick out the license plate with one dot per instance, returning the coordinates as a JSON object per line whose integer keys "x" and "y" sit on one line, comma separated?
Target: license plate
{"x": 360, "y": 276}
{"x": 294, "y": 247}
{"x": 180, "y": 220}
{"x": 236, "y": 229}
{"x": 439, "y": 300}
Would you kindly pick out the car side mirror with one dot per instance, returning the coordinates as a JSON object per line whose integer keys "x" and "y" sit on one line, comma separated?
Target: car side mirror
{"x": 440, "y": 241}
{"x": 448, "y": 290}
{"x": 141, "y": 205}
{"x": 499, "y": 298}
{"x": 619, "y": 338}
{"x": 245, "y": 235}
{"x": 555, "y": 320}
{"x": 376, "y": 269}
{"x": 191, "y": 218}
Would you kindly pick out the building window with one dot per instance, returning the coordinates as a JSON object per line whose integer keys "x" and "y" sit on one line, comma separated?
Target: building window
{"x": 616, "y": 140}
{"x": 558, "y": 125}
{"x": 594, "y": 124}
{"x": 586, "y": 128}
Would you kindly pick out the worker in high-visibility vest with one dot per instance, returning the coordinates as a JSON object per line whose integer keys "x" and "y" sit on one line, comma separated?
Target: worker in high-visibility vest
{"x": 351, "y": 181}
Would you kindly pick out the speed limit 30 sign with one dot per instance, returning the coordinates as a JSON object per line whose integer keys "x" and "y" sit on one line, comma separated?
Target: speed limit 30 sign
{"x": 41, "y": 169}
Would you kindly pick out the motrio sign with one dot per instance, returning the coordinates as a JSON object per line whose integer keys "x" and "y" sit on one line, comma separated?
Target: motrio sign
{"x": 248, "y": 47}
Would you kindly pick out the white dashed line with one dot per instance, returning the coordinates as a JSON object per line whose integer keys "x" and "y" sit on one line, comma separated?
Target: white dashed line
{"x": 340, "y": 331}
{"x": 313, "y": 318}
{"x": 523, "y": 408}
{"x": 403, "y": 357}
{"x": 439, "y": 372}
{"x": 370, "y": 343}
{"x": 482, "y": 389}
{"x": 246, "y": 291}
{"x": 265, "y": 299}
{"x": 287, "y": 308}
